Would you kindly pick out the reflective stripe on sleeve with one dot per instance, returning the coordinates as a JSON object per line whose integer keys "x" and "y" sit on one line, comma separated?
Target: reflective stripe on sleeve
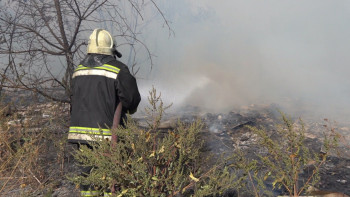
{"x": 109, "y": 67}
{"x": 88, "y": 130}
{"x": 87, "y": 137}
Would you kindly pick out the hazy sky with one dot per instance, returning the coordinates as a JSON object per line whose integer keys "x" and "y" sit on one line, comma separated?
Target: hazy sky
{"x": 230, "y": 53}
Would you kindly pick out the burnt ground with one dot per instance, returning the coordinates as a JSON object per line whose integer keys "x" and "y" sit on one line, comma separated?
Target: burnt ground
{"x": 223, "y": 134}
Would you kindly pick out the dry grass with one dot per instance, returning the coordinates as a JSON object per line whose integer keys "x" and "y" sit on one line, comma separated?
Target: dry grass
{"x": 28, "y": 146}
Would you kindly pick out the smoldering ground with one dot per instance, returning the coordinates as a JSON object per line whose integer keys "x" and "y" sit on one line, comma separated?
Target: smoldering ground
{"x": 227, "y": 54}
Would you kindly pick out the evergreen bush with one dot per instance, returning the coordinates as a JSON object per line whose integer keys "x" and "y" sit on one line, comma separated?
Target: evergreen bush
{"x": 148, "y": 162}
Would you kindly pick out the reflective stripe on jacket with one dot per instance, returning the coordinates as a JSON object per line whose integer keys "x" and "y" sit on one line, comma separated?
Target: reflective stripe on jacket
{"x": 99, "y": 83}
{"x": 89, "y": 193}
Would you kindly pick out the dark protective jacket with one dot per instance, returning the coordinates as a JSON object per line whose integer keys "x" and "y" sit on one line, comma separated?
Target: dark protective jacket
{"x": 99, "y": 83}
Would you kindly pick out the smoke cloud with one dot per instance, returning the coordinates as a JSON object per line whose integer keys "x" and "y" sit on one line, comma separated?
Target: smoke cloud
{"x": 226, "y": 54}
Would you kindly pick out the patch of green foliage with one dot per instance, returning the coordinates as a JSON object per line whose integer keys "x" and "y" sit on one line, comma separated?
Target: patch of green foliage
{"x": 286, "y": 158}
{"x": 149, "y": 162}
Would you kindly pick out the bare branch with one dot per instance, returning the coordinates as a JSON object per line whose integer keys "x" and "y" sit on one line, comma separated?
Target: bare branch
{"x": 162, "y": 14}
{"x": 47, "y": 23}
{"x": 60, "y": 24}
{"x": 38, "y": 34}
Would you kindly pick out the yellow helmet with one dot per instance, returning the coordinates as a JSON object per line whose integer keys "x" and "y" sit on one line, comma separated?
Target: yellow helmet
{"x": 101, "y": 42}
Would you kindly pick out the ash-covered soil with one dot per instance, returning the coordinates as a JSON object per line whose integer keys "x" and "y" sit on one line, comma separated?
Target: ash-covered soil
{"x": 223, "y": 134}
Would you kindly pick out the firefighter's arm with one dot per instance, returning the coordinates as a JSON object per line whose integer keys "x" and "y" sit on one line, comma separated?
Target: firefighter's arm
{"x": 128, "y": 91}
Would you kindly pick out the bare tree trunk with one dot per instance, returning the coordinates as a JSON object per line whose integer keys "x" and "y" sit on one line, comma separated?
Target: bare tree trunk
{"x": 69, "y": 74}
{"x": 3, "y": 79}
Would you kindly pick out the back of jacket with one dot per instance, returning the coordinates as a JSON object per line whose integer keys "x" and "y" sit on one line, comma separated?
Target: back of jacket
{"x": 99, "y": 83}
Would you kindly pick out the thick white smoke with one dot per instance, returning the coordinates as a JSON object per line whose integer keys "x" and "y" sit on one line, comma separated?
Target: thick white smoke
{"x": 226, "y": 54}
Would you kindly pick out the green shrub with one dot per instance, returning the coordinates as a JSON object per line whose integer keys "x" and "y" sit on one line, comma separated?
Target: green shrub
{"x": 148, "y": 162}
{"x": 286, "y": 157}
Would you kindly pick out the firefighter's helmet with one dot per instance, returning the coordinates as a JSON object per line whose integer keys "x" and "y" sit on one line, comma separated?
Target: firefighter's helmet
{"x": 101, "y": 42}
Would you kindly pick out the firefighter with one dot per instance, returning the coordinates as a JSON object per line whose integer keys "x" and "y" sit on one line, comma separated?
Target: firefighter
{"x": 99, "y": 84}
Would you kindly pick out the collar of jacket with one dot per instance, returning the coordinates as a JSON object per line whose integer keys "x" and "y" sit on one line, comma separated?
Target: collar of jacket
{"x": 93, "y": 60}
